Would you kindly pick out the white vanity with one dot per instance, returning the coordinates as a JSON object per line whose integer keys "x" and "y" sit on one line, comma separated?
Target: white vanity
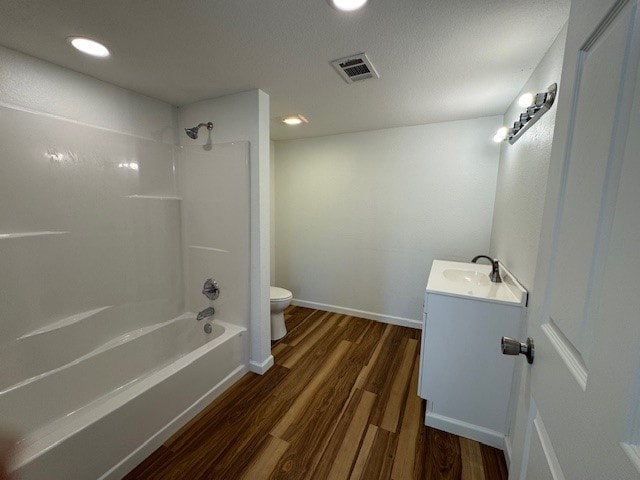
{"x": 463, "y": 375}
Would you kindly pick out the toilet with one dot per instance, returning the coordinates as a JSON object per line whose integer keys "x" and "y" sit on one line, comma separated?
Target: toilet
{"x": 280, "y": 299}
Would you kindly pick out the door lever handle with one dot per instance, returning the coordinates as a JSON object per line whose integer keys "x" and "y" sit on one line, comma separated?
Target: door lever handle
{"x": 509, "y": 346}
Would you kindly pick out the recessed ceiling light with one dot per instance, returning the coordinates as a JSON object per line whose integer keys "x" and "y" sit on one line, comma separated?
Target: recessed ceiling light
{"x": 347, "y": 5}
{"x": 90, "y": 47}
{"x": 294, "y": 120}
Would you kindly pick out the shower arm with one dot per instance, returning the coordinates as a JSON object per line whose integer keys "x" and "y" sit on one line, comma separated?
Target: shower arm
{"x": 209, "y": 126}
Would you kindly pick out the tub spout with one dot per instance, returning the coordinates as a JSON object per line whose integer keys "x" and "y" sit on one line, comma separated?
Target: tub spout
{"x": 207, "y": 312}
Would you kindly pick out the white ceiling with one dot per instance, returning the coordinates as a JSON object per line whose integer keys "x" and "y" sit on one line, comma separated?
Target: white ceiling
{"x": 438, "y": 60}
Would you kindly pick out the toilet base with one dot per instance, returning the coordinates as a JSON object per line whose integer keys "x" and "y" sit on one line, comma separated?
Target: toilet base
{"x": 278, "y": 328}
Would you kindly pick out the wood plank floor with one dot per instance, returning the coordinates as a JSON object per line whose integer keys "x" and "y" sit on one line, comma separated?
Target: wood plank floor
{"x": 339, "y": 403}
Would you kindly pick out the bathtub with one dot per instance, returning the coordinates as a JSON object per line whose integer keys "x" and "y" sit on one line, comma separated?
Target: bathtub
{"x": 97, "y": 414}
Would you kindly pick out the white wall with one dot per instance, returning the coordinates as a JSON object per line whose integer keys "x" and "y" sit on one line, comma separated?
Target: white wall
{"x": 42, "y": 87}
{"x": 213, "y": 183}
{"x": 66, "y": 142}
{"x": 519, "y": 204}
{"x": 245, "y": 116}
{"x": 522, "y": 176}
{"x": 272, "y": 213}
{"x": 361, "y": 216}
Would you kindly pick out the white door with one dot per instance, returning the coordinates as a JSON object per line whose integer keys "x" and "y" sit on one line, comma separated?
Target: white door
{"x": 584, "y": 390}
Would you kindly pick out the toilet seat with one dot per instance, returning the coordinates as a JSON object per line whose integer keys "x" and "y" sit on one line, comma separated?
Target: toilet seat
{"x": 277, "y": 293}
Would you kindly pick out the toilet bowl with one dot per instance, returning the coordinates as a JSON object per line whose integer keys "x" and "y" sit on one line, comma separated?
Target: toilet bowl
{"x": 280, "y": 299}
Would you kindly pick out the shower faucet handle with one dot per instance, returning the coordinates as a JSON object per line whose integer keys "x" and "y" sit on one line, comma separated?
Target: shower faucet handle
{"x": 211, "y": 289}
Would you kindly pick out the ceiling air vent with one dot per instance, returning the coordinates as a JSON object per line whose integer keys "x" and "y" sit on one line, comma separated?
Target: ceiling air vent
{"x": 355, "y": 68}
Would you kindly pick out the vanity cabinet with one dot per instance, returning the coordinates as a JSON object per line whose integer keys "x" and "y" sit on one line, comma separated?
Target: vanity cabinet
{"x": 463, "y": 375}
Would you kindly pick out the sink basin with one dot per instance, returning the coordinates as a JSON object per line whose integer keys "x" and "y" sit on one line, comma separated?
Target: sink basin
{"x": 470, "y": 280}
{"x": 469, "y": 277}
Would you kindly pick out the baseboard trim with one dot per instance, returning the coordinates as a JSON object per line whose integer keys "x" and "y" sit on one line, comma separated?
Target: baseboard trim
{"x": 467, "y": 430}
{"x": 378, "y": 317}
{"x": 261, "y": 368}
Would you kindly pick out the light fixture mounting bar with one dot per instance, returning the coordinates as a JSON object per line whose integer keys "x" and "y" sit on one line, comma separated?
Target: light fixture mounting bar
{"x": 533, "y": 113}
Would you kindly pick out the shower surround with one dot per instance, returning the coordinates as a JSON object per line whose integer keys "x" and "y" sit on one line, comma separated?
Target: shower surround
{"x": 105, "y": 241}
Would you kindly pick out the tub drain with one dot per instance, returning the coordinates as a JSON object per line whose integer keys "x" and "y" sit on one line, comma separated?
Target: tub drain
{"x": 207, "y": 328}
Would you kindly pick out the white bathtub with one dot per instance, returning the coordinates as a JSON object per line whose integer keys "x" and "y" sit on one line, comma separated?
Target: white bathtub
{"x": 101, "y": 413}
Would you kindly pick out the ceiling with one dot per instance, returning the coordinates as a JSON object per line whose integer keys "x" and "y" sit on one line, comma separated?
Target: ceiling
{"x": 438, "y": 60}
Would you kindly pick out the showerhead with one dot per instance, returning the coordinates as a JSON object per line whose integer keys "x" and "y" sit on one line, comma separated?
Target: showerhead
{"x": 193, "y": 131}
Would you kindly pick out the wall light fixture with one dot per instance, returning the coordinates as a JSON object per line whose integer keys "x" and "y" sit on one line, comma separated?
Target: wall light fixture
{"x": 536, "y": 106}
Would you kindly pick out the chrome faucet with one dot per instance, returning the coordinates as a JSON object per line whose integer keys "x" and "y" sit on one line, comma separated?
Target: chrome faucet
{"x": 207, "y": 312}
{"x": 495, "y": 267}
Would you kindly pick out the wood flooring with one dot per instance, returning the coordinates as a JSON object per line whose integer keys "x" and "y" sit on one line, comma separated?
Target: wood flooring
{"x": 339, "y": 403}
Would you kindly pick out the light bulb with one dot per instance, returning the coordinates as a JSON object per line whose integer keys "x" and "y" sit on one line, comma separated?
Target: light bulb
{"x": 526, "y": 100}
{"x": 501, "y": 134}
{"x": 90, "y": 47}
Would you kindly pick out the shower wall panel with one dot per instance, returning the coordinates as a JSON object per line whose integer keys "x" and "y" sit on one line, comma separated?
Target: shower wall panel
{"x": 89, "y": 220}
{"x": 213, "y": 182}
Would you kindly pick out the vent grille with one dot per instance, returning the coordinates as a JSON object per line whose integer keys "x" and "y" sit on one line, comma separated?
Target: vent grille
{"x": 355, "y": 68}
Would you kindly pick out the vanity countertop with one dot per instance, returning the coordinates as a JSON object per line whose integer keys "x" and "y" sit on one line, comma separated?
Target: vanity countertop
{"x": 471, "y": 280}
